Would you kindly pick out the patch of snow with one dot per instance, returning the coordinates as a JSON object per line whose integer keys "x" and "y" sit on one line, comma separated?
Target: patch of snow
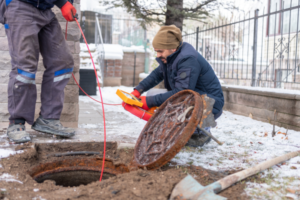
{"x": 113, "y": 52}
{"x": 6, "y": 152}
{"x": 138, "y": 49}
{"x": 275, "y": 90}
{"x": 83, "y": 47}
{"x": 88, "y": 126}
{"x": 248, "y": 142}
{"x": 143, "y": 75}
{"x": 8, "y": 178}
{"x": 131, "y": 130}
{"x": 36, "y": 190}
{"x": 292, "y": 196}
{"x": 1, "y": 166}
{"x": 38, "y": 198}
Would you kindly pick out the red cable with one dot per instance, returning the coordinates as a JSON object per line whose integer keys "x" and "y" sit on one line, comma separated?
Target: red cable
{"x": 104, "y": 148}
{"x": 92, "y": 97}
{"x": 66, "y": 36}
{"x": 98, "y": 83}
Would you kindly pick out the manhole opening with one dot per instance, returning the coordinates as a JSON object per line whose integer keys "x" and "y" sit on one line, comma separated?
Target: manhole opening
{"x": 73, "y": 178}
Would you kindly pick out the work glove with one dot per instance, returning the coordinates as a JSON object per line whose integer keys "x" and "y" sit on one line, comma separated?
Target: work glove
{"x": 143, "y": 100}
{"x": 68, "y": 11}
{"x": 136, "y": 93}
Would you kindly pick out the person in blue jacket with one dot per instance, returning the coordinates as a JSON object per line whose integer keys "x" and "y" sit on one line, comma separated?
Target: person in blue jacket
{"x": 181, "y": 67}
{"x": 33, "y": 29}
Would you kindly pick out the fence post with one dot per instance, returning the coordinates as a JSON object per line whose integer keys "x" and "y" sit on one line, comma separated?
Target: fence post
{"x": 253, "y": 83}
{"x": 145, "y": 47}
{"x": 134, "y": 66}
{"x": 197, "y": 38}
{"x": 96, "y": 29}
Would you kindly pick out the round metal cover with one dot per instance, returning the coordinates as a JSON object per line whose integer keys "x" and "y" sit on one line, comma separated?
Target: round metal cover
{"x": 164, "y": 135}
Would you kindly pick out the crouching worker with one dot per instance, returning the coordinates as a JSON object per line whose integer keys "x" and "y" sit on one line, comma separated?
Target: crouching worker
{"x": 32, "y": 28}
{"x": 181, "y": 67}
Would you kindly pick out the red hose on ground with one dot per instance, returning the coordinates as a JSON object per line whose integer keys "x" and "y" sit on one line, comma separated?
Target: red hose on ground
{"x": 98, "y": 83}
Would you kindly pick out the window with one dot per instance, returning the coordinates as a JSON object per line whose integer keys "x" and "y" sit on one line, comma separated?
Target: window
{"x": 282, "y": 20}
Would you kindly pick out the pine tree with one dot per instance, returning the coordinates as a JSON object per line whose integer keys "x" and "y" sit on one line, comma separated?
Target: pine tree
{"x": 167, "y": 12}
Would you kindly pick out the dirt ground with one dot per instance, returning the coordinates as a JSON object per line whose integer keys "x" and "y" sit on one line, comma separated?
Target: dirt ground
{"x": 140, "y": 184}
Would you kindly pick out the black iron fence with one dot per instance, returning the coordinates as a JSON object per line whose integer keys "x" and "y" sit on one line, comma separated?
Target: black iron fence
{"x": 257, "y": 50}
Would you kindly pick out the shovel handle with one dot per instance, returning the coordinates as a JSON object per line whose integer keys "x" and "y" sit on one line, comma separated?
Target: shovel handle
{"x": 211, "y": 136}
{"x": 229, "y": 180}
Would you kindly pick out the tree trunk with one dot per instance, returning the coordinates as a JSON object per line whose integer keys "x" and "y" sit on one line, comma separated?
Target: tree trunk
{"x": 173, "y": 18}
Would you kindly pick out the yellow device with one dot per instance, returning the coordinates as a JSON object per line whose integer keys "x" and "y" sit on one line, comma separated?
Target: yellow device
{"x": 129, "y": 98}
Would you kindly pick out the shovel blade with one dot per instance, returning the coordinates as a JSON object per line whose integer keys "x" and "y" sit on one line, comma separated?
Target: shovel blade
{"x": 189, "y": 188}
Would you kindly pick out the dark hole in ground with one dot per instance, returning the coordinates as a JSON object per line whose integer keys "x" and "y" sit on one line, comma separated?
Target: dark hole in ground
{"x": 73, "y": 178}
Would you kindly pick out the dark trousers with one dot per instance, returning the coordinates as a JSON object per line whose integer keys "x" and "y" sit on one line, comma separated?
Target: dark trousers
{"x": 31, "y": 31}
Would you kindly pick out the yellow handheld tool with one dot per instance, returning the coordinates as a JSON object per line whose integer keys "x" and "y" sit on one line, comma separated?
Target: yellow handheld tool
{"x": 129, "y": 98}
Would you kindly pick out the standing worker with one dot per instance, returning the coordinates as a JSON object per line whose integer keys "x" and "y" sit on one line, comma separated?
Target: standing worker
{"x": 181, "y": 67}
{"x": 32, "y": 28}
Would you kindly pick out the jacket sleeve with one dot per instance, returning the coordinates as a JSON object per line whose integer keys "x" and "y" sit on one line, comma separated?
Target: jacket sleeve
{"x": 58, "y": 3}
{"x": 188, "y": 71}
{"x": 155, "y": 77}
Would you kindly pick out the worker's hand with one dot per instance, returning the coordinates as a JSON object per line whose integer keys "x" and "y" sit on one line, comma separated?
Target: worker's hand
{"x": 68, "y": 11}
{"x": 136, "y": 93}
{"x": 143, "y": 100}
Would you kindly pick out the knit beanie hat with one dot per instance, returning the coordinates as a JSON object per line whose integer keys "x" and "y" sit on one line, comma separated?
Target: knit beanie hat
{"x": 168, "y": 37}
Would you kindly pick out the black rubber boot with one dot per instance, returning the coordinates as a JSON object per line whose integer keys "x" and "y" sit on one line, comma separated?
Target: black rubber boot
{"x": 52, "y": 126}
{"x": 198, "y": 139}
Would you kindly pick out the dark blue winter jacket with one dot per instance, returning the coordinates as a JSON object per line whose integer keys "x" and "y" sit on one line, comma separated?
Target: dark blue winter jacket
{"x": 185, "y": 69}
{"x": 46, "y": 4}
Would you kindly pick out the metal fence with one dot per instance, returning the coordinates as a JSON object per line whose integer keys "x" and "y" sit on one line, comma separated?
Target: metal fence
{"x": 257, "y": 50}
{"x": 99, "y": 48}
{"x": 127, "y": 32}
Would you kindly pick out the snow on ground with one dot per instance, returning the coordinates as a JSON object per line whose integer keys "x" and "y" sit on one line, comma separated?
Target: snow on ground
{"x": 247, "y": 142}
{"x": 110, "y": 97}
{"x": 5, "y": 148}
{"x": 8, "y": 178}
{"x": 263, "y": 89}
{"x": 6, "y": 152}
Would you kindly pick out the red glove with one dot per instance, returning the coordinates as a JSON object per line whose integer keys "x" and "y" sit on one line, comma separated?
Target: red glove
{"x": 68, "y": 11}
{"x": 136, "y": 93}
{"x": 143, "y": 99}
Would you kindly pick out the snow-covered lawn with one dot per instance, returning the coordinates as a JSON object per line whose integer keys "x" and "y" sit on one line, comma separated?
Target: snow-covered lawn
{"x": 247, "y": 142}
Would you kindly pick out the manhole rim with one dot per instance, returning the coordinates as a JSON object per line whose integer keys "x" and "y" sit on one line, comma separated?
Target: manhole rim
{"x": 183, "y": 138}
{"x": 62, "y": 165}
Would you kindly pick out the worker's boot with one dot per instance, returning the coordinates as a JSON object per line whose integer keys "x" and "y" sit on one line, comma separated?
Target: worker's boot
{"x": 199, "y": 138}
{"x": 52, "y": 126}
{"x": 17, "y": 133}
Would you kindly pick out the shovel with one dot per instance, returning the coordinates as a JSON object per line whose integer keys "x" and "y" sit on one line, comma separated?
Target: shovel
{"x": 189, "y": 188}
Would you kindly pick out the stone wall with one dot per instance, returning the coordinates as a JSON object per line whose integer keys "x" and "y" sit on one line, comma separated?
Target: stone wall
{"x": 112, "y": 72}
{"x": 128, "y": 67}
{"x": 261, "y": 105}
{"x": 70, "y": 111}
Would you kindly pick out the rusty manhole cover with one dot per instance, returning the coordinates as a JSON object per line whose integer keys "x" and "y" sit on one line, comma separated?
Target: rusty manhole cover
{"x": 164, "y": 135}
{"x": 75, "y": 171}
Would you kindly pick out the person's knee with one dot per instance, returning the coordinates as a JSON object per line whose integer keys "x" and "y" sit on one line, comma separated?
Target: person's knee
{"x": 218, "y": 114}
